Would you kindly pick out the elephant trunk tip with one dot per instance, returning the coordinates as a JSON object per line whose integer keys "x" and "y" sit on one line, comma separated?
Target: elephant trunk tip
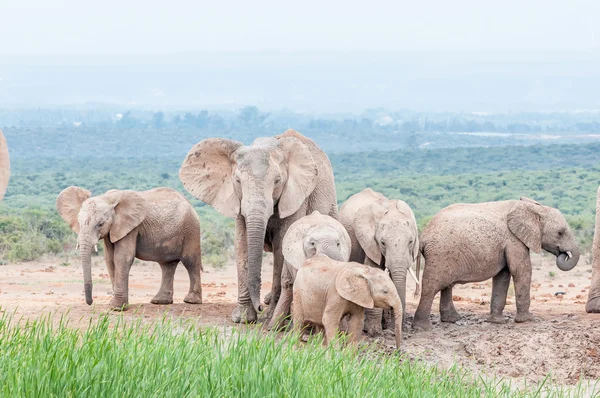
{"x": 566, "y": 261}
{"x": 88, "y": 294}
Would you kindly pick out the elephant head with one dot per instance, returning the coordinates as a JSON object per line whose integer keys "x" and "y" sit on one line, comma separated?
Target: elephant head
{"x": 370, "y": 287}
{"x": 387, "y": 232}
{"x": 4, "y": 165}
{"x": 273, "y": 176}
{"x": 593, "y": 303}
{"x": 542, "y": 227}
{"x": 315, "y": 234}
{"x": 114, "y": 215}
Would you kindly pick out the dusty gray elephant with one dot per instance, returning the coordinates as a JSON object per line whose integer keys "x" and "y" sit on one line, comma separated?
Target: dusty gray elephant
{"x": 384, "y": 234}
{"x": 266, "y": 186}
{"x": 156, "y": 225}
{"x": 4, "y": 165}
{"x": 311, "y": 235}
{"x": 593, "y": 303}
{"x": 326, "y": 290}
{"x": 474, "y": 242}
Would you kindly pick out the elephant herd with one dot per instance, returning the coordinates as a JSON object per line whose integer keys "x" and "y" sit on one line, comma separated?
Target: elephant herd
{"x": 332, "y": 267}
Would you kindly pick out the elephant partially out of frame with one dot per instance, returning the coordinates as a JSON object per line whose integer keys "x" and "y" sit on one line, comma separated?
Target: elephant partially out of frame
{"x": 156, "y": 225}
{"x": 4, "y": 165}
{"x": 266, "y": 186}
{"x": 474, "y": 242}
{"x": 593, "y": 303}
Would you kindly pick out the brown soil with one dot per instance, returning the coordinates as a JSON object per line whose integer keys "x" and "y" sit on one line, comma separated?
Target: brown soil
{"x": 563, "y": 341}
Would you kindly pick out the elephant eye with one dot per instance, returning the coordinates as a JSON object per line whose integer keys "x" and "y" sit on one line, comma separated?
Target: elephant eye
{"x": 100, "y": 224}
{"x": 338, "y": 244}
{"x": 312, "y": 243}
{"x": 382, "y": 242}
{"x": 277, "y": 181}
{"x": 560, "y": 233}
{"x": 237, "y": 179}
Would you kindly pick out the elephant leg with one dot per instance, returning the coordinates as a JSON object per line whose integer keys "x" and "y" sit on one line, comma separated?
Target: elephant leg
{"x": 282, "y": 310}
{"x": 194, "y": 268}
{"x": 124, "y": 256}
{"x": 332, "y": 317}
{"x": 277, "y": 272}
{"x": 355, "y": 327}
{"x": 372, "y": 321}
{"x": 244, "y": 311}
{"x": 448, "y": 311}
{"x": 165, "y": 293}
{"x": 421, "y": 320}
{"x": 521, "y": 273}
{"x": 389, "y": 322}
{"x": 500, "y": 284}
{"x": 109, "y": 259}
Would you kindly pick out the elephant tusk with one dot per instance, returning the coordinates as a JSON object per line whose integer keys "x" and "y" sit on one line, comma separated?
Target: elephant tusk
{"x": 569, "y": 255}
{"x": 412, "y": 273}
{"x": 77, "y": 246}
{"x": 96, "y": 248}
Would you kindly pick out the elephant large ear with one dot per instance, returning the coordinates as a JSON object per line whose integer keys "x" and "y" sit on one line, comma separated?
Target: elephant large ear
{"x": 353, "y": 285}
{"x": 4, "y": 165}
{"x": 302, "y": 176}
{"x": 524, "y": 221}
{"x": 365, "y": 224}
{"x": 130, "y": 211}
{"x": 68, "y": 204}
{"x": 293, "y": 243}
{"x": 207, "y": 173}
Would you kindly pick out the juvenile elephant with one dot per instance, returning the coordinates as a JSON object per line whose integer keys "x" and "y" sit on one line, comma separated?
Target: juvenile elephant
{"x": 326, "y": 290}
{"x": 384, "y": 234}
{"x": 593, "y": 303}
{"x": 4, "y": 165}
{"x": 311, "y": 235}
{"x": 266, "y": 186}
{"x": 156, "y": 225}
{"x": 474, "y": 242}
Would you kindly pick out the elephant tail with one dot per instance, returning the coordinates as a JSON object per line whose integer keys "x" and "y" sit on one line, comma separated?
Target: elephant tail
{"x": 418, "y": 272}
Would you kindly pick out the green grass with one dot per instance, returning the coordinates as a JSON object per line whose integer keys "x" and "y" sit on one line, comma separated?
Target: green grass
{"x": 48, "y": 358}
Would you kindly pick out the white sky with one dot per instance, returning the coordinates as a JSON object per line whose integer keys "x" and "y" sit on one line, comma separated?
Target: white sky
{"x": 156, "y": 27}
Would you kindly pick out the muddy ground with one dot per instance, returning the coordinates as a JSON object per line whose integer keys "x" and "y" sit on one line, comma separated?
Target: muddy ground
{"x": 563, "y": 341}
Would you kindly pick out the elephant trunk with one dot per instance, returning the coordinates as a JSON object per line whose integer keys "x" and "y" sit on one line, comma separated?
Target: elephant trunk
{"x": 398, "y": 270}
{"x": 567, "y": 260}
{"x": 256, "y": 226}
{"x": 398, "y": 310}
{"x": 593, "y": 303}
{"x": 85, "y": 251}
{"x": 332, "y": 251}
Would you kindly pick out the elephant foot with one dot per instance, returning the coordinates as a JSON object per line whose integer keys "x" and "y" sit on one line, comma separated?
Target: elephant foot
{"x": 193, "y": 298}
{"x": 244, "y": 313}
{"x": 524, "y": 317}
{"x": 421, "y": 325}
{"x": 162, "y": 299}
{"x": 498, "y": 318}
{"x": 268, "y": 298}
{"x": 118, "y": 305}
{"x": 450, "y": 316}
{"x": 277, "y": 325}
{"x": 593, "y": 306}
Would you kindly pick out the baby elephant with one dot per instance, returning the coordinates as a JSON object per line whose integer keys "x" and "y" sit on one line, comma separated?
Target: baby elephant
{"x": 326, "y": 290}
{"x": 156, "y": 225}
{"x": 310, "y": 235}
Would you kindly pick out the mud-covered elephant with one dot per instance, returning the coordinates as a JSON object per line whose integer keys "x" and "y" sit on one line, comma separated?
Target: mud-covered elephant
{"x": 311, "y": 235}
{"x": 474, "y": 242}
{"x": 4, "y": 165}
{"x": 593, "y": 303}
{"x": 266, "y": 186}
{"x": 156, "y": 225}
{"x": 326, "y": 290}
{"x": 384, "y": 234}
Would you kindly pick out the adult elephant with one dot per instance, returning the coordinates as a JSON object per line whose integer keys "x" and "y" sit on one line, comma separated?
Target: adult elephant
{"x": 266, "y": 186}
{"x": 4, "y": 165}
{"x": 474, "y": 242}
{"x": 384, "y": 234}
{"x": 593, "y": 303}
{"x": 156, "y": 225}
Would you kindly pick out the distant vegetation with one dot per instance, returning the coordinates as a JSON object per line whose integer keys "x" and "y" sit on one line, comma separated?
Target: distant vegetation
{"x": 564, "y": 176}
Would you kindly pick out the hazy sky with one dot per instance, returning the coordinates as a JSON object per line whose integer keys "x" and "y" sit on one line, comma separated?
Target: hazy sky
{"x": 152, "y": 27}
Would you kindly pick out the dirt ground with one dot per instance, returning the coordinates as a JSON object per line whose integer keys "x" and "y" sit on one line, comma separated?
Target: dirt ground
{"x": 563, "y": 341}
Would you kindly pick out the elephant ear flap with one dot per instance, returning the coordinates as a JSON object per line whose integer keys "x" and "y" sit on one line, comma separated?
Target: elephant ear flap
{"x": 524, "y": 222}
{"x": 207, "y": 173}
{"x": 130, "y": 211}
{"x": 302, "y": 176}
{"x": 68, "y": 204}
{"x": 353, "y": 285}
{"x": 4, "y": 165}
{"x": 365, "y": 223}
{"x": 293, "y": 244}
